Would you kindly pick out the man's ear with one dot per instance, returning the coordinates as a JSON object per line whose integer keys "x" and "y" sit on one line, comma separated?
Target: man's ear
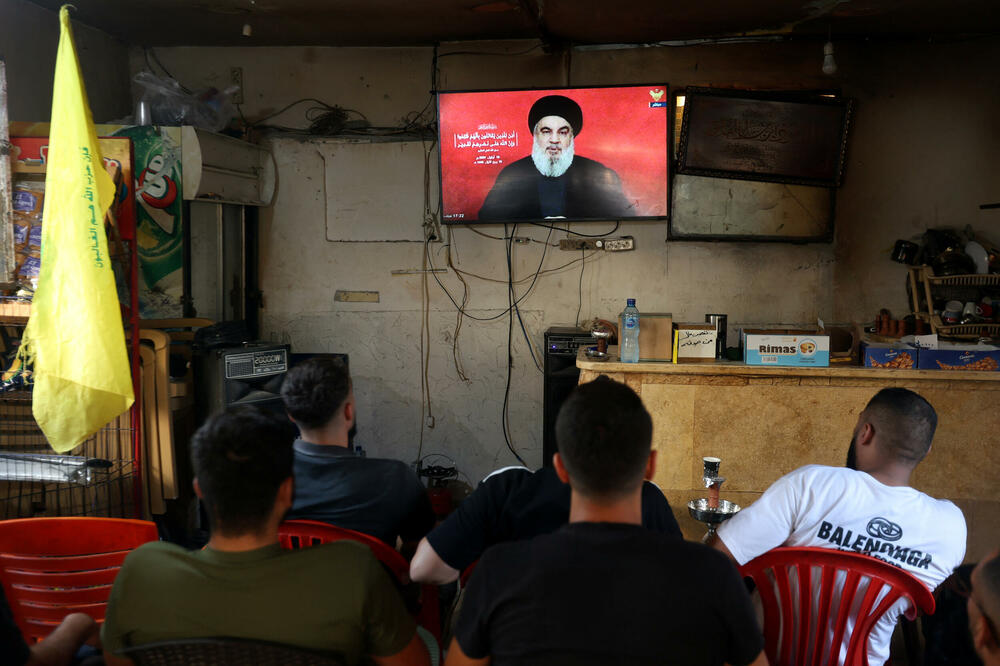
{"x": 286, "y": 493}
{"x": 866, "y": 435}
{"x": 349, "y": 411}
{"x": 650, "y": 466}
{"x": 557, "y": 464}
{"x": 290, "y": 417}
{"x": 980, "y": 633}
{"x": 197, "y": 489}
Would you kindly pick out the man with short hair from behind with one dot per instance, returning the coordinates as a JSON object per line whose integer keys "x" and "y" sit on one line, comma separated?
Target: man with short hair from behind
{"x": 984, "y": 609}
{"x": 334, "y": 597}
{"x": 867, "y": 507}
{"x": 377, "y": 496}
{"x": 603, "y": 589}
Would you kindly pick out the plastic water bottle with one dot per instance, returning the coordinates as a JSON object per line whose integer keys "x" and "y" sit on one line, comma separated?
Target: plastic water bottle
{"x": 628, "y": 351}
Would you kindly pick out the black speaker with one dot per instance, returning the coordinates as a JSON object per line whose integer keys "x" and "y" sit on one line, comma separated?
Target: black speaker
{"x": 248, "y": 374}
{"x": 560, "y": 376}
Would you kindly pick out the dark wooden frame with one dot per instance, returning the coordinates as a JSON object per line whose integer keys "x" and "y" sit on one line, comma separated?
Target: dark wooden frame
{"x": 797, "y": 138}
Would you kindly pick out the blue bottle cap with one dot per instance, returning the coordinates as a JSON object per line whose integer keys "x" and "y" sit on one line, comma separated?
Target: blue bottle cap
{"x": 631, "y": 302}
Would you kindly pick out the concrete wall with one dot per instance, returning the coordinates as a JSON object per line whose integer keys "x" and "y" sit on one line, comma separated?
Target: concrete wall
{"x": 920, "y": 153}
{"x": 29, "y": 37}
{"x": 923, "y": 154}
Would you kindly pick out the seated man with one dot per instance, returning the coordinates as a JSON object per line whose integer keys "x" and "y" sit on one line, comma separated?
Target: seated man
{"x": 56, "y": 649}
{"x": 380, "y": 497}
{"x": 602, "y": 589}
{"x": 984, "y": 609}
{"x": 508, "y": 505}
{"x": 867, "y": 507}
{"x": 335, "y": 597}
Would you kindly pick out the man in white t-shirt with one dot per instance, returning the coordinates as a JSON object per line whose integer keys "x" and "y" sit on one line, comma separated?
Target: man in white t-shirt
{"x": 867, "y": 507}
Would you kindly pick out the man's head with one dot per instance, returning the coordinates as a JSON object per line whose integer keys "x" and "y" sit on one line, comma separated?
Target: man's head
{"x": 984, "y": 609}
{"x": 317, "y": 390}
{"x": 604, "y": 434}
{"x": 242, "y": 461}
{"x": 554, "y": 121}
{"x": 899, "y": 423}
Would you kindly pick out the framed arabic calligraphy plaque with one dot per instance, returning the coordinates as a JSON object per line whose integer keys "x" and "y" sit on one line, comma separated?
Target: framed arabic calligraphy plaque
{"x": 794, "y": 138}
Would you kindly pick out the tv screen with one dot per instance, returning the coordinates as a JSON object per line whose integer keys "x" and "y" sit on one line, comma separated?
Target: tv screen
{"x": 556, "y": 154}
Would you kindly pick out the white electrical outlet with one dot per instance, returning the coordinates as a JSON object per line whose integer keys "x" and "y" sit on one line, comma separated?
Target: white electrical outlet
{"x": 619, "y": 244}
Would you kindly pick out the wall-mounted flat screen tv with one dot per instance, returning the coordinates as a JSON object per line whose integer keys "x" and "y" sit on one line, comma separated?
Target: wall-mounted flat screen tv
{"x": 557, "y": 154}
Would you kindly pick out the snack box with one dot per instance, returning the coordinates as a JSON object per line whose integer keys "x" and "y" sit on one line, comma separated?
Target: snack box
{"x": 960, "y": 357}
{"x": 891, "y": 355}
{"x": 785, "y": 347}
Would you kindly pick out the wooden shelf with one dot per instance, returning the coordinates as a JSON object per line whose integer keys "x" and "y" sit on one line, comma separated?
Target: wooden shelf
{"x": 14, "y": 312}
{"x": 978, "y": 280}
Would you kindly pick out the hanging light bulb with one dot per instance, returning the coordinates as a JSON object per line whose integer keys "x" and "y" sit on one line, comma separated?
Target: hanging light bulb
{"x": 829, "y": 64}
{"x": 247, "y": 28}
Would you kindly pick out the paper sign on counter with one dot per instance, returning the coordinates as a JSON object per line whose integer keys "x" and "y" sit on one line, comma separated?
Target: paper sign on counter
{"x": 694, "y": 343}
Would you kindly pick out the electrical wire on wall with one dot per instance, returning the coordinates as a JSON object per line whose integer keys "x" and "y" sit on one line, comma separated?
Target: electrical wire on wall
{"x": 511, "y": 304}
{"x": 431, "y": 231}
{"x": 426, "y": 409}
{"x": 459, "y": 368}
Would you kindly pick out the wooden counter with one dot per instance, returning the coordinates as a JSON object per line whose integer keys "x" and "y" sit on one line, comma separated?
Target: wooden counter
{"x": 763, "y": 422}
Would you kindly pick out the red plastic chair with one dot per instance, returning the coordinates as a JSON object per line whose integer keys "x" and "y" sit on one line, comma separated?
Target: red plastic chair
{"x": 804, "y": 635}
{"x": 51, "y": 567}
{"x": 302, "y": 533}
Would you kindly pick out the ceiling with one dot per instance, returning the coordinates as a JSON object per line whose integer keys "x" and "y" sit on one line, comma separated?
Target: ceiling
{"x": 425, "y": 22}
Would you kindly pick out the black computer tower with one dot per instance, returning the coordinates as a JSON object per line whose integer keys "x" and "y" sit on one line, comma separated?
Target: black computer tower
{"x": 560, "y": 376}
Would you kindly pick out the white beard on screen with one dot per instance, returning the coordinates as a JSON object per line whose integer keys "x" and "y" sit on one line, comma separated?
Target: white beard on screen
{"x": 553, "y": 167}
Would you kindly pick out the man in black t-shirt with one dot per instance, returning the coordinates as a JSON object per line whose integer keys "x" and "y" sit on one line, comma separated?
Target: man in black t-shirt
{"x": 602, "y": 589}
{"x": 511, "y": 504}
{"x": 377, "y": 496}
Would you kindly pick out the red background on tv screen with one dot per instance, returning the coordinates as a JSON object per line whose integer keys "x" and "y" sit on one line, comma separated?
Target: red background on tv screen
{"x": 482, "y": 132}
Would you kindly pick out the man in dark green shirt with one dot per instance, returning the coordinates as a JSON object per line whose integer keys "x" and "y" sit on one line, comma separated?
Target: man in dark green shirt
{"x": 334, "y": 597}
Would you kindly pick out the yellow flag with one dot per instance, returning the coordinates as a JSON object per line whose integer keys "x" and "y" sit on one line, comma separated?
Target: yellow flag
{"x": 74, "y": 335}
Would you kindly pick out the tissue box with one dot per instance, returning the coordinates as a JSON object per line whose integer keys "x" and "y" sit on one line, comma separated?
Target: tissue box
{"x": 891, "y": 355}
{"x": 785, "y": 348}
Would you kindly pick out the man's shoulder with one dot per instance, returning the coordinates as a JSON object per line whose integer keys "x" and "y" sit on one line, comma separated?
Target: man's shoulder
{"x": 582, "y": 163}
{"x": 509, "y": 479}
{"x": 155, "y": 551}
{"x": 511, "y": 488}
{"x": 523, "y": 164}
{"x": 345, "y": 552}
{"x": 687, "y": 556}
{"x": 387, "y": 465}
{"x": 807, "y": 475}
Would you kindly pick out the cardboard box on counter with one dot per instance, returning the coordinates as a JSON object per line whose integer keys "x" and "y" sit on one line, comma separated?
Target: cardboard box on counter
{"x": 655, "y": 335}
{"x": 947, "y": 356}
{"x": 891, "y": 355}
{"x": 785, "y": 347}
